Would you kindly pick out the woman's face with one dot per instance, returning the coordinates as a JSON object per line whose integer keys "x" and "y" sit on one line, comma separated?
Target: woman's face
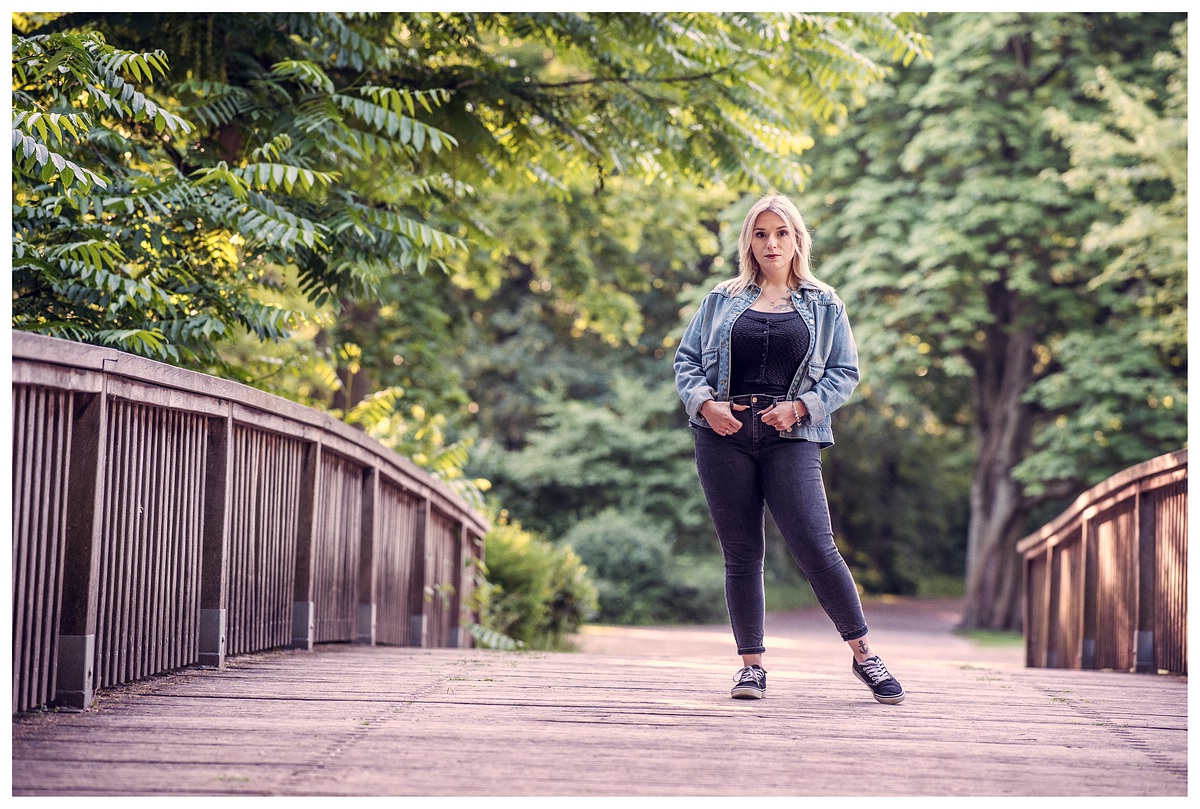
{"x": 772, "y": 243}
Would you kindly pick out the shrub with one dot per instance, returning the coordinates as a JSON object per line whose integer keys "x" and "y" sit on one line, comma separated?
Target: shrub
{"x": 639, "y": 582}
{"x": 535, "y": 593}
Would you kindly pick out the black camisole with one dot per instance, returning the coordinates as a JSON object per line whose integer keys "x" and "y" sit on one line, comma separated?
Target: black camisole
{"x": 766, "y": 350}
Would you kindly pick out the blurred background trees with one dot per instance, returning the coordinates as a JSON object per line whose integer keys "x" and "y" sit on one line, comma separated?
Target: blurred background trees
{"x": 478, "y": 236}
{"x": 968, "y": 214}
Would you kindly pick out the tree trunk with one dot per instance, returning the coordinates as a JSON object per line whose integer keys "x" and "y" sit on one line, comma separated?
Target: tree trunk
{"x": 1004, "y": 372}
{"x": 994, "y": 571}
{"x": 357, "y": 386}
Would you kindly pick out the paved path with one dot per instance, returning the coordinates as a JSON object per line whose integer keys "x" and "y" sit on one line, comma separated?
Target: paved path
{"x": 638, "y": 712}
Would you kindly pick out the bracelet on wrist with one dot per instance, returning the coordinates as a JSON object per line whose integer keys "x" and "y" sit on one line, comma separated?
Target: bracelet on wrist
{"x": 795, "y": 412}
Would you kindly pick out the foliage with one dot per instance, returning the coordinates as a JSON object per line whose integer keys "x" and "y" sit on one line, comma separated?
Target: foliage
{"x": 974, "y": 227}
{"x": 297, "y": 139}
{"x": 206, "y": 189}
{"x": 1133, "y": 159}
{"x": 535, "y": 335}
{"x": 570, "y": 105}
{"x": 897, "y": 495}
{"x": 1006, "y": 223}
{"x": 677, "y": 97}
{"x": 303, "y": 367}
{"x": 100, "y": 247}
{"x": 536, "y": 593}
{"x": 421, "y": 437}
{"x": 631, "y": 454}
{"x": 537, "y": 103}
{"x": 638, "y": 579}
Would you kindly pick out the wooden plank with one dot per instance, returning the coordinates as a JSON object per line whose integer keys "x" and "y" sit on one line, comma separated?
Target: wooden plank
{"x": 616, "y": 719}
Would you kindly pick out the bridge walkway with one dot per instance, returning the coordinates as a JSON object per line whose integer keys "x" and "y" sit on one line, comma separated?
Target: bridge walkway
{"x": 635, "y": 712}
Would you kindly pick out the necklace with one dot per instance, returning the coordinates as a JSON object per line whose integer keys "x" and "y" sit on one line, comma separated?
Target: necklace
{"x": 781, "y": 302}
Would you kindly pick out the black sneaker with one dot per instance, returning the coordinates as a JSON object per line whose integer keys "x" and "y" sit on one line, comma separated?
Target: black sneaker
{"x": 883, "y": 685}
{"x": 751, "y": 683}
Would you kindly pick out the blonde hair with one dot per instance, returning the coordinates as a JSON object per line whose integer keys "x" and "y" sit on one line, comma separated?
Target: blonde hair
{"x": 749, "y": 271}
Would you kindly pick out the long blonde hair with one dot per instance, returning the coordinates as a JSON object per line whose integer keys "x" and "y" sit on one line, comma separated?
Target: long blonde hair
{"x": 749, "y": 272}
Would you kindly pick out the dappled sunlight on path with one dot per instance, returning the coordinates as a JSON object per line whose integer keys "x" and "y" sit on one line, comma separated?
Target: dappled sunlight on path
{"x": 901, "y": 629}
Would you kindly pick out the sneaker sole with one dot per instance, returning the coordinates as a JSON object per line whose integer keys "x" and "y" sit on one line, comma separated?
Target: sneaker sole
{"x": 747, "y": 693}
{"x": 896, "y": 700}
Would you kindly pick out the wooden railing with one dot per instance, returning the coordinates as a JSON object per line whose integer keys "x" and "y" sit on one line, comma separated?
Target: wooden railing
{"x": 1106, "y": 582}
{"x": 164, "y": 518}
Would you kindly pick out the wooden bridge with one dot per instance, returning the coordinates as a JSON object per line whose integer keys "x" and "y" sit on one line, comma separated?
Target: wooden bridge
{"x": 218, "y": 592}
{"x": 640, "y": 712}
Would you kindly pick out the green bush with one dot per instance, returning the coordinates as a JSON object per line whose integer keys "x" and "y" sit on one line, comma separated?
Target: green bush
{"x": 639, "y": 582}
{"x": 534, "y": 592}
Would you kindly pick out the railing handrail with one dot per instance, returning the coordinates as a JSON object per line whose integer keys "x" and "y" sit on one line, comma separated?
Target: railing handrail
{"x": 1103, "y": 491}
{"x": 37, "y": 348}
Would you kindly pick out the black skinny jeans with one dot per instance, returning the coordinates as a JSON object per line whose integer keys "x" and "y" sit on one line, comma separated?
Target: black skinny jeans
{"x": 756, "y": 466}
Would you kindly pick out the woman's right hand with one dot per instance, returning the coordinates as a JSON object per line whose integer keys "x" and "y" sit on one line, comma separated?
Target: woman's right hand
{"x": 719, "y": 416}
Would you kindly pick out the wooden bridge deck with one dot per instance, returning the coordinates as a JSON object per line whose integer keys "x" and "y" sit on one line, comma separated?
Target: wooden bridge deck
{"x": 637, "y": 712}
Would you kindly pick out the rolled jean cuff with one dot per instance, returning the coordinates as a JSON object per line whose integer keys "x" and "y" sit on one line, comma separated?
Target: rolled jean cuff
{"x": 855, "y": 635}
{"x": 753, "y": 650}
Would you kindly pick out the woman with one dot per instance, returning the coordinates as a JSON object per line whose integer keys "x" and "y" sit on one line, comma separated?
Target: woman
{"x": 766, "y": 359}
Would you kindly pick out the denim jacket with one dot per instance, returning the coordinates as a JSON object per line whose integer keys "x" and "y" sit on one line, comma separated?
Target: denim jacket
{"x": 823, "y": 382}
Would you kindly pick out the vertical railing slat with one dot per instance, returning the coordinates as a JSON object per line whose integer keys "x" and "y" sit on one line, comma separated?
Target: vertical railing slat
{"x": 55, "y": 540}
{"x": 24, "y": 468}
{"x": 114, "y": 512}
{"x": 216, "y": 554}
{"x": 36, "y": 487}
{"x": 75, "y": 666}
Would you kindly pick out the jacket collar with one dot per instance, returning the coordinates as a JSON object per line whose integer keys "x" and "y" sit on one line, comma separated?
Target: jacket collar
{"x": 809, "y": 285}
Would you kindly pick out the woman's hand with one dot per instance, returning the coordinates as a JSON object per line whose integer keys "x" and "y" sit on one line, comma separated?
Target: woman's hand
{"x": 784, "y": 415}
{"x": 719, "y": 416}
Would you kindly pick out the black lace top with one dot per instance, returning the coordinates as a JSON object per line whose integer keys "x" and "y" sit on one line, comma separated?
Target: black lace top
{"x": 766, "y": 350}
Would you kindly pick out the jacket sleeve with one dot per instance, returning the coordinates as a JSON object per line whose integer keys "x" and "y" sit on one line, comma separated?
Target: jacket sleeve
{"x": 690, "y": 380}
{"x": 839, "y": 376}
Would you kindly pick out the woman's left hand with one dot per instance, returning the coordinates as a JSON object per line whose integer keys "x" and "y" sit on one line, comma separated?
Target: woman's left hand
{"x": 783, "y": 416}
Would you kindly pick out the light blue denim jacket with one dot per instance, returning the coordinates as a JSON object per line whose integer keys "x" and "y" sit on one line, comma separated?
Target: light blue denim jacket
{"x": 823, "y": 382}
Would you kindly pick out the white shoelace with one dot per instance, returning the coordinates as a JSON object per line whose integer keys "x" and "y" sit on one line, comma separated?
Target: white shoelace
{"x": 875, "y": 670}
{"x": 748, "y": 675}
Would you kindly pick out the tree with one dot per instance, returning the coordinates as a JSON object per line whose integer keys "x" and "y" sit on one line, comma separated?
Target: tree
{"x": 959, "y": 258}
{"x": 1133, "y": 159}
{"x": 150, "y": 224}
{"x": 677, "y": 97}
{"x": 547, "y": 108}
{"x": 898, "y": 496}
{"x": 345, "y": 144}
{"x": 625, "y": 253}
{"x": 631, "y": 454}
